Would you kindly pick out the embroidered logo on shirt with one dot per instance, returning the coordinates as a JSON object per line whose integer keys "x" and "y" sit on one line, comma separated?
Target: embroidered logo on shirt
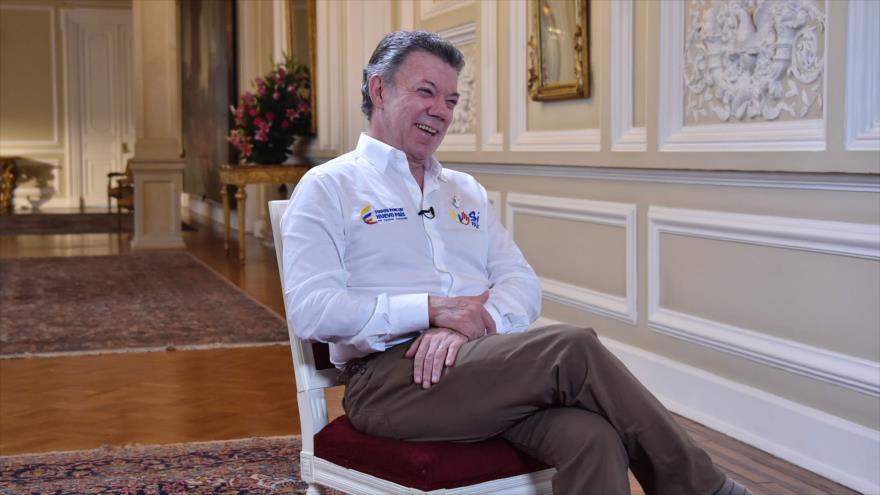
{"x": 371, "y": 216}
{"x": 471, "y": 218}
{"x": 367, "y": 215}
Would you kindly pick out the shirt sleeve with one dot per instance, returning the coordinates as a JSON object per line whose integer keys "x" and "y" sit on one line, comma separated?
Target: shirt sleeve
{"x": 515, "y": 291}
{"x": 320, "y": 306}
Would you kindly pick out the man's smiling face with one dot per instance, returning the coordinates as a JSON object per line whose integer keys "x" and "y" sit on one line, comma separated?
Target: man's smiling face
{"x": 415, "y": 111}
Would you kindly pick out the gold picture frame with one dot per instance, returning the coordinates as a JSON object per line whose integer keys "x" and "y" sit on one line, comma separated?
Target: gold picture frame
{"x": 301, "y": 44}
{"x": 559, "y": 50}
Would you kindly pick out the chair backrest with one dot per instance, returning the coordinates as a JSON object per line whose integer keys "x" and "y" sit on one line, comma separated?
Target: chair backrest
{"x": 311, "y": 380}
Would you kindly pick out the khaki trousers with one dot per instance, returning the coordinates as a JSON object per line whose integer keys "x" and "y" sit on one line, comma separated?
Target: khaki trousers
{"x": 555, "y": 393}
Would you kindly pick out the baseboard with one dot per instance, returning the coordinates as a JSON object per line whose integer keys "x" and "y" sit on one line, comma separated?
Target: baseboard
{"x": 837, "y": 449}
{"x": 208, "y": 209}
{"x": 214, "y": 211}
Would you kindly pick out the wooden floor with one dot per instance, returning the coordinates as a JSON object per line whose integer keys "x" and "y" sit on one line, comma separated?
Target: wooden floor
{"x": 82, "y": 402}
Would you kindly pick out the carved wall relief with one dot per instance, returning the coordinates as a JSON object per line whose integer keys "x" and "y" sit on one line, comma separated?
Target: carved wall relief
{"x": 465, "y": 117}
{"x": 753, "y": 60}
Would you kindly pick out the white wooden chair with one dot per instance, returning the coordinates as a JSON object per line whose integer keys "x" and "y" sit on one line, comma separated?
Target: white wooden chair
{"x": 337, "y": 456}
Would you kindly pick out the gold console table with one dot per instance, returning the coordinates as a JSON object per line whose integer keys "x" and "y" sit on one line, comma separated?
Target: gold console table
{"x": 241, "y": 175}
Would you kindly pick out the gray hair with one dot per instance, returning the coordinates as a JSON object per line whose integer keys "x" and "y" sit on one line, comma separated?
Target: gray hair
{"x": 392, "y": 51}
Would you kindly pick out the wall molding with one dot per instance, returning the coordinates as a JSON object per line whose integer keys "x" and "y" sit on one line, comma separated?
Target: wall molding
{"x": 459, "y": 142}
{"x": 407, "y": 12}
{"x": 863, "y": 76}
{"x": 592, "y": 301}
{"x": 428, "y": 9}
{"x": 624, "y": 137}
{"x": 329, "y": 20}
{"x": 771, "y": 180}
{"x": 633, "y": 139}
{"x": 621, "y": 215}
{"x": 801, "y": 135}
{"x": 674, "y": 135}
{"x": 490, "y": 137}
{"x": 365, "y": 23}
{"x": 460, "y": 36}
{"x": 280, "y": 38}
{"x": 56, "y": 118}
{"x": 820, "y": 236}
{"x": 494, "y": 197}
{"x": 521, "y": 139}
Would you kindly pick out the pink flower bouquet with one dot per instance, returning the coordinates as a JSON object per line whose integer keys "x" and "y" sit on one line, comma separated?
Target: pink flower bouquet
{"x": 268, "y": 120}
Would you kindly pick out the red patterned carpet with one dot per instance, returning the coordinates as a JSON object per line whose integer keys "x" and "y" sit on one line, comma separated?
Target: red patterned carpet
{"x": 256, "y": 465}
{"x": 149, "y": 300}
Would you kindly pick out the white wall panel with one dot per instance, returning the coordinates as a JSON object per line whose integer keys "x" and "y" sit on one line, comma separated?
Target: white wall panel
{"x": 53, "y": 55}
{"x": 833, "y": 238}
{"x": 621, "y": 215}
{"x": 624, "y": 136}
{"x": 863, "y": 76}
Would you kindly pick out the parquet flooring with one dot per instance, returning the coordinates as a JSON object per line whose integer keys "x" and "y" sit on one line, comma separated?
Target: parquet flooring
{"x": 81, "y": 402}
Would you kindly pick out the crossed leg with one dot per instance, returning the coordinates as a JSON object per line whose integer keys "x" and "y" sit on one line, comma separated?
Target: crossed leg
{"x": 557, "y": 392}
{"x": 585, "y": 450}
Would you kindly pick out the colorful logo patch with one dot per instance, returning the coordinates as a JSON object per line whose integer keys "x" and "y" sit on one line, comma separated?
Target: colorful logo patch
{"x": 371, "y": 216}
{"x": 367, "y": 215}
{"x": 471, "y": 218}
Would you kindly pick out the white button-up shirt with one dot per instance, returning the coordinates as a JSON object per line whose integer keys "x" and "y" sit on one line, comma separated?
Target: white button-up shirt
{"x": 359, "y": 260}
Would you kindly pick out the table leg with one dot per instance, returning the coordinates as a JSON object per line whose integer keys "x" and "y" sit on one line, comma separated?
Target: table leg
{"x": 224, "y": 195}
{"x": 241, "y": 196}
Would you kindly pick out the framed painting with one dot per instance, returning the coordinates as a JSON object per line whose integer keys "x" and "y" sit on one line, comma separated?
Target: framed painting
{"x": 209, "y": 85}
{"x": 559, "y": 51}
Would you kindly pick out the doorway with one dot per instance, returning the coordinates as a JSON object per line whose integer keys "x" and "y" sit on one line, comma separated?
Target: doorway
{"x": 98, "y": 68}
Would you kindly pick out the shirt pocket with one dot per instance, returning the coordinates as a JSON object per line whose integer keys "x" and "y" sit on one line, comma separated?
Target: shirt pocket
{"x": 465, "y": 238}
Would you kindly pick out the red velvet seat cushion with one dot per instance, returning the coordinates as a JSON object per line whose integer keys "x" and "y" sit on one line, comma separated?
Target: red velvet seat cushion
{"x": 422, "y": 465}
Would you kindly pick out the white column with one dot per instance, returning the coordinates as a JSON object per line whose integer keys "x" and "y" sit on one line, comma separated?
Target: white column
{"x": 157, "y": 167}
{"x": 157, "y": 189}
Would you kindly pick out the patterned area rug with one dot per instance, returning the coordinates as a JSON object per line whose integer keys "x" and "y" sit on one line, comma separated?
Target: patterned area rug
{"x": 70, "y": 223}
{"x": 142, "y": 301}
{"x": 256, "y": 465}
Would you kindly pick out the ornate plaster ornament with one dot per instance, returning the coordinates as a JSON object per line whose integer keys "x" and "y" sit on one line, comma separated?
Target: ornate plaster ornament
{"x": 464, "y": 120}
{"x": 753, "y": 59}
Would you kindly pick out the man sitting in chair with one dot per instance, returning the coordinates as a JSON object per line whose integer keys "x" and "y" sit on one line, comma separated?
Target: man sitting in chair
{"x": 403, "y": 267}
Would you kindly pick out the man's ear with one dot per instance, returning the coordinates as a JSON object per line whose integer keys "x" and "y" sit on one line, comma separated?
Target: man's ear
{"x": 377, "y": 89}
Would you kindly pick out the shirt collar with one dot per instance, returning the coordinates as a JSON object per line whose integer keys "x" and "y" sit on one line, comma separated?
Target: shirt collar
{"x": 380, "y": 155}
{"x": 434, "y": 169}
